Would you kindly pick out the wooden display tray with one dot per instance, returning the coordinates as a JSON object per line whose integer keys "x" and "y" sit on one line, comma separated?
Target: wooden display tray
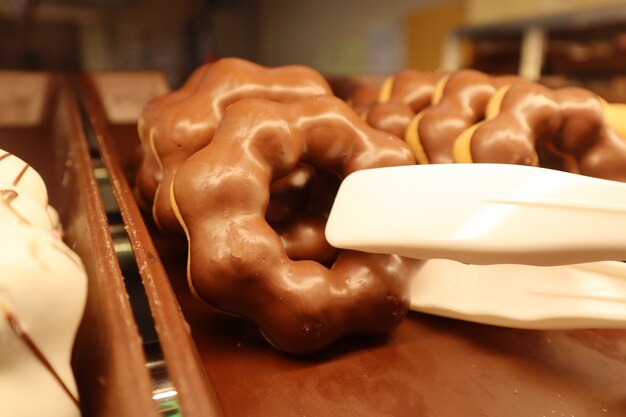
{"x": 429, "y": 366}
{"x": 40, "y": 122}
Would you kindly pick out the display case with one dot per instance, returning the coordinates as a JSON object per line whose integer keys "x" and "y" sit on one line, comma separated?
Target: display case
{"x": 221, "y": 365}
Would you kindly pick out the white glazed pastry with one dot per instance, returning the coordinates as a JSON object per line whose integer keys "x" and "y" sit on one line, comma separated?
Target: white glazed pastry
{"x": 21, "y": 175}
{"x": 42, "y": 296}
{"x": 55, "y": 221}
{"x": 26, "y": 208}
{"x": 16, "y": 173}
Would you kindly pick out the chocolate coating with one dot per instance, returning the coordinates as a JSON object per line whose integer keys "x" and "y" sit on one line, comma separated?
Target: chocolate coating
{"x": 597, "y": 148}
{"x": 391, "y": 117}
{"x": 237, "y": 262}
{"x": 463, "y": 103}
{"x": 411, "y": 92}
{"x": 569, "y": 120}
{"x": 364, "y": 98}
{"x": 414, "y": 88}
{"x": 149, "y": 172}
{"x": 189, "y": 125}
{"x": 528, "y": 117}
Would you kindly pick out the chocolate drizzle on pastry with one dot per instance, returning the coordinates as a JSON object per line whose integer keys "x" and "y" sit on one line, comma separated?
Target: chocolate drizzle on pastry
{"x": 20, "y": 174}
{"x": 19, "y": 331}
{"x": 8, "y": 196}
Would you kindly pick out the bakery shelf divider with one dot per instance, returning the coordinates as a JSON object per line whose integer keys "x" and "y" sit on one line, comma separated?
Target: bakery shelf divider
{"x": 40, "y": 123}
{"x": 184, "y": 366}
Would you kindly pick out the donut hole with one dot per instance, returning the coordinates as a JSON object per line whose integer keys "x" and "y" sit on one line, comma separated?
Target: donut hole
{"x": 299, "y": 207}
{"x": 288, "y": 194}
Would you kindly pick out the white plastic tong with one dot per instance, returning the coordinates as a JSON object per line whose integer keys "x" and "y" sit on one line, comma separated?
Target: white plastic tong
{"x": 500, "y": 240}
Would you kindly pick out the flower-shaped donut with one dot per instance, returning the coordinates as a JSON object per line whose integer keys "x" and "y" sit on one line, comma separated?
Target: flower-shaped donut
{"x": 238, "y": 263}
{"x": 189, "y": 124}
{"x": 149, "y": 172}
{"x": 530, "y": 119}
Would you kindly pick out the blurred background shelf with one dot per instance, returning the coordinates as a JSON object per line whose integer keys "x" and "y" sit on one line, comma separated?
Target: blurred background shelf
{"x": 583, "y": 46}
{"x": 580, "y": 42}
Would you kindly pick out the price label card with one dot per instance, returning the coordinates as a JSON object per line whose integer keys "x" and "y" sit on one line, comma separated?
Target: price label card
{"x": 22, "y": 98}
{"x": 124, "y": 95}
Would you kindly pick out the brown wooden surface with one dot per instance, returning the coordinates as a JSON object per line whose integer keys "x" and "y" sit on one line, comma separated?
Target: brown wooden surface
{"x": 108, "y": 358}
{"x": 429, "y": 366}
{"x": 117, "y": 145}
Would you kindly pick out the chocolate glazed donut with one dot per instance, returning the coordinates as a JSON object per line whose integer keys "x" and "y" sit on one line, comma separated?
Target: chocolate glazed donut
{"x": 597, "y": 148}
{"x": 568, "y": 121}
{"x": 463, "y": 102}
{"x": 401, "y": 97}
{"x": 237, "y": 262}
{"x": 189, "y": 125}
{"x": 149, "y": 172}
{"x": 527, "y": 117}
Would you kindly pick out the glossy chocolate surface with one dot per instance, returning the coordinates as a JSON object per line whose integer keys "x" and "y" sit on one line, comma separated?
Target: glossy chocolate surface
{"x": 585, "y": 134}
{"x": 427, "y": 366}
{"x": 238, "y": 263}
{"x": 414, "y": 88}
{"x": 149, "y": 172}
{"x": 188, "y": 125}
{"x": 463, "y": 102}
{"x": 569, "y": 120}
{"x": 391, "y": 117}
{"x": 411, "y": 92}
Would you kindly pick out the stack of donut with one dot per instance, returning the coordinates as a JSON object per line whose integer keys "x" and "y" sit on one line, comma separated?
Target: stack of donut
{"x": 246, "y": 161}
{"x": 42, "y": 296}
{"x": 472, "y": 117}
